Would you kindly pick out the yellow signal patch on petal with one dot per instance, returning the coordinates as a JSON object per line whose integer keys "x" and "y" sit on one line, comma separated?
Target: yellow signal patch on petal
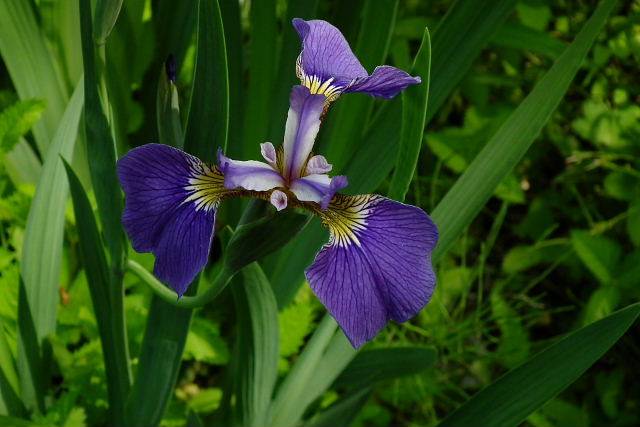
{"x": 206, "y": 186}
{"x": 346, "y": 218}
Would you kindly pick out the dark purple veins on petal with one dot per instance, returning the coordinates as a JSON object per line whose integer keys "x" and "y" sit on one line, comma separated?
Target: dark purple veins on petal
{"x": 388, "y": 275}
{"x": 156, "y": 218}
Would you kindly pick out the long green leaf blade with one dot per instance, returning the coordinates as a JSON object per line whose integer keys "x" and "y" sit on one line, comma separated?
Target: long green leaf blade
{"x": 262, "y": 64}
{"x": 42, "y": 251}
{"x": 256, "y": 370}
{"x": 521, "y": 391}
{"x": 414, "y": 110}
{"x": 208, "y": 121}
{"x": 32, "y": 67}
{"x": 505, "y": 149}
{"x": 99, "y": 279}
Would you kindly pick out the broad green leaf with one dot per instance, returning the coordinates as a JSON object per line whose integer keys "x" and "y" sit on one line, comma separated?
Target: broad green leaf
{"x": 505, "y": 149}
{"x": 102, "y": 164}
{"x": 337, "y": 355}
{"x": 168, "y": 112}
{"x": 345, "y": 124}
{"x": 106, "y": 14}
{"x": 253, "y": 240}
{"x": 116, "y": 356}
{"x": 414, "y": 110}
{"x": 513, "y": 397}
{"x": 9, "y": 383}
{"x": 159, "y": 362}
{"x": 343, "y": 412}
{"x": 371, "y": 366}
{"x": 17, "y": 120}
{"x": 262, "y": 63}
{"x": 42, "y": 251}
{"x": 231, "y": 19}
{"x": 205, "y": 344}
{"x": 285, "y": 408}
{"x": 208, "y": 120}
{"x": 22, "y": 164}
{"x": 256, "y": 369}
{"x": 101, "y": 149}
{"x": 32, "y": 67}
{"x": 598, "y": 253}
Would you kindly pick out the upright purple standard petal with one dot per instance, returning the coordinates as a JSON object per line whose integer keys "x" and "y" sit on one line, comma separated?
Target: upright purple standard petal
{"x": 377, "y": 265}
{"x": 326, "y": 54}
{"x": 327, "y": 65}
{"x": 303, "y": 123}
{"x": 171, "y": 203}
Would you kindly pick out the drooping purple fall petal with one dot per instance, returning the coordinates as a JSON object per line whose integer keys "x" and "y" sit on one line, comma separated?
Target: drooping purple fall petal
{"x": 377, "y": 265}
{"x": 171, "y": 203}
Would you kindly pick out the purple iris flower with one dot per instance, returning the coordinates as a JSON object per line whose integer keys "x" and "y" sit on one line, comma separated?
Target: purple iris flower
{"x": 327, "y": 65}
{"x": 377, "y": 263}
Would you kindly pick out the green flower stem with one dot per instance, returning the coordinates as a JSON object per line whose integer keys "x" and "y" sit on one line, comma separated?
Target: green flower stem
{"x": 169, "y": 295}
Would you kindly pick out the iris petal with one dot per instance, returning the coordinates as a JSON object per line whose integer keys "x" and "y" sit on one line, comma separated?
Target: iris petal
{"x": 171, "y": 203}
{"x": 385, "y": 82}
{"x": 319, "y": 188}
{"x": 327, "y": 65}
{"x": 377, "y": 265}
{"x": 303, "y": 123}
{"x": 249, "y": 174}
{"x": 326, "y": 55}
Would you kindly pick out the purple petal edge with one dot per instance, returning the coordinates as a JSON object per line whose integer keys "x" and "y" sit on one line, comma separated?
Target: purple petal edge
{"x": 385, "y": 82}
{"x": 387, "y": 276}
{"x": 156, "y": 218}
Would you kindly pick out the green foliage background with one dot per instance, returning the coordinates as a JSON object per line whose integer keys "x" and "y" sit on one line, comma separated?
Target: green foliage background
{"x": 556, "y": 248}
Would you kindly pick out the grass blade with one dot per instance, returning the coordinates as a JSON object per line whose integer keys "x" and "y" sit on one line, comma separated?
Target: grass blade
{"x": 521, "y": 391}
{"x": 501, "y": 154}
{"x": 10, "y": 403}
{"x": 99, "y": 280}
{"x": 343, "y": 412}
{"x": 284, "y": 407}
{"x": 208, "y": 121}
{"x": 36, "y": 74}
{"x": 42, "y": 252}
{"x": 258, "y": 346}
{"x": 414, "y": 110}
{"x": 261, "y": 76}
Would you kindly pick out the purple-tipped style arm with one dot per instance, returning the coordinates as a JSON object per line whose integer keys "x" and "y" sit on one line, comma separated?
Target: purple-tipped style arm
{"x": 171, "y": 204}
{"x": 376, "y": 266}
{"x": 327, "y": 65}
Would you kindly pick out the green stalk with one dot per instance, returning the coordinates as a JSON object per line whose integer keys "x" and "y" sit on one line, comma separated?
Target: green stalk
{"x": 169, "y": 296}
